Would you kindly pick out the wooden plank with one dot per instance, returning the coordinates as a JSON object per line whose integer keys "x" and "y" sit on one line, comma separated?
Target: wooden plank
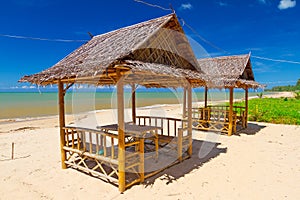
{"x": 121, "y": 134}
{"x": 61, "y": 108}
{"x": 104, "y": 146}
{"x": 205, "y": 97}
{"x": 179, "y": 144}
{"x": 72, "y": 132}
{"x": 168, "y": 126}
{"x": 84, "y": 140}
{"x": 190, "y": 120}
{"x": 175, "y": 128}
{"x": 97, "y": 143}
{"x": 184, "y": 103}
{"x": 79, "y": 139}
{"x": 142, "y": 160}
{"x": 91, "y": 142}
{"x": 133, "y": 107}
{"x": 230, "y": 128}
{"x": 162, "y": 126}
{"x": 246, "y": 109}
{"x": 112, "y": 148}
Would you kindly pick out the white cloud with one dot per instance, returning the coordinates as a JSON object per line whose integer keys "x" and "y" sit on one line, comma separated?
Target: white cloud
{"x": 27, "y": 87}
{"x": 285, "y": 4}
{"x": 186, "y": 6}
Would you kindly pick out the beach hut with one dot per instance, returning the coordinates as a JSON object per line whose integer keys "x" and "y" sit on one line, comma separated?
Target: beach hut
{"x": 225, "y": 72}
{"x": 154, "y": 53}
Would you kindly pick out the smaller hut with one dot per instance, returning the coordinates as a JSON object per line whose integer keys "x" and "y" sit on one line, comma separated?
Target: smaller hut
{"x": 227, "y": 72}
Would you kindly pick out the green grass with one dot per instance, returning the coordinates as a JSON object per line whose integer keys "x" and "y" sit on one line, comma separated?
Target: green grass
{"x": 274, "y": 110}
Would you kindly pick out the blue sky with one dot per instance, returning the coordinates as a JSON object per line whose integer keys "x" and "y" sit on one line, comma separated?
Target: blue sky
{"x": 267, "y": 28}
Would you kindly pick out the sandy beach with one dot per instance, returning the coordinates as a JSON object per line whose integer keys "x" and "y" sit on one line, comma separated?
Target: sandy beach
{"x": 260, "y": 162}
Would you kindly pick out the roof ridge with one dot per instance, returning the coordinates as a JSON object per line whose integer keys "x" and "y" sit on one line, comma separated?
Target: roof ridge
{"x": 223, "y": 57}
{"x": 143, "y": 23}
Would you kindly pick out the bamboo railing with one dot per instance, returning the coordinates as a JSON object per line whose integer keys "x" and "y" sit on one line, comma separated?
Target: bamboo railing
{"x": 96, "y": 151}
{"x": 172, "y": 135}
{"x": 213, "y": 119}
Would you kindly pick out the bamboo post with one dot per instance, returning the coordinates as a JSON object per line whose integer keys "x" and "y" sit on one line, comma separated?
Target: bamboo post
{"x": 133, "y": 107}
{"x": 142, "y": 160}
{"x": 179, "y": 145}
{"x": 230, "y": 128}
{"x": 205, "y": 97}
{"x": 189, "y": 107}
{"x": 61, "y": 108}
{"x": 121, "y": 136}
{"x": 12, "y": 150}
{"x": 246, "y": 109}
{"x": 184, "y": 103}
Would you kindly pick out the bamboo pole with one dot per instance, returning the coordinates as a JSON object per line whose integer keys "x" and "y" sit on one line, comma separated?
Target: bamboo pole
{"x": 142, "y": 160}
{"x": 121, "y": 136}
{"x": 61, "y": 108}
{"x": 246, "y": 109}
{"x": 133, "y": 107}
{"x": 184, "y": 103}
{"x": 205, "y": 97}
{"x": 179, "y": 145}
{"x": 189, "y": 112}
{"x": 230, "y": 128}
{"x": 12, "y": 150}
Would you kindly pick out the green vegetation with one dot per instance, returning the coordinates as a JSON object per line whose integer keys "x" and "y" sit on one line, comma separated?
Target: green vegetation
{"x": 274, "y": 110}
{"x": 286, "y": 88}
{"x": 260, "y": 95}
{"x": 297, "y": 95}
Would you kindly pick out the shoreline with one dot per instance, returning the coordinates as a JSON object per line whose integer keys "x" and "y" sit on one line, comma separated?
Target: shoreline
{"x": 35, "y": 118}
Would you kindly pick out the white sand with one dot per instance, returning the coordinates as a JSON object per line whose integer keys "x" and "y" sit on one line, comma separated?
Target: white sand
{"x": 263, "y": 162}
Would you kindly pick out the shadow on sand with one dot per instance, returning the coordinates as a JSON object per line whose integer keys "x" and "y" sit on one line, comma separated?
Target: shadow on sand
{"x": 252, "y": 129}
{"x": 196, "y": 161}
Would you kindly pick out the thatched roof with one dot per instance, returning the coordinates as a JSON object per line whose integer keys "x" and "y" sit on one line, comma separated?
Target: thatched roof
{"x": 229, "y": 71}
{"x": 154, "y": 53}
{"x": 160, "y": 44}
{"x": 237, "y": 66}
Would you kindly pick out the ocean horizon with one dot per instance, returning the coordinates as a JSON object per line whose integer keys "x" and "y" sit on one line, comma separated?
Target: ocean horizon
{"x": 35, "y": 104}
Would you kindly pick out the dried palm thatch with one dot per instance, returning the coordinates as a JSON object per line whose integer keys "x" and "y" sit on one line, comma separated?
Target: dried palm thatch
{"x": 154, "y": 53}
{"x": 230, "y": 71}
{"x": 237, "y": 66}
{"x": 158, "y": 43}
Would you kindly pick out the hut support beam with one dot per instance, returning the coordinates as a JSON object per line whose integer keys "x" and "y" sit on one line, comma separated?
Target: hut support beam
{"x": 121, "y": 135}
{"x": 230, "y": 128}
{"x": 133, "y": 107}
{"x": 205, "y": 97}
{"x": 61, "y": 108}
{"x": 245, "y": 125}
{"x": 189, "y": 112}
{"x": 184, "y": 103}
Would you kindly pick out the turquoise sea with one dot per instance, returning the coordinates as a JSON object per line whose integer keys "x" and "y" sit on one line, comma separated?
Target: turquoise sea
{"x": 35, "y": 104}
